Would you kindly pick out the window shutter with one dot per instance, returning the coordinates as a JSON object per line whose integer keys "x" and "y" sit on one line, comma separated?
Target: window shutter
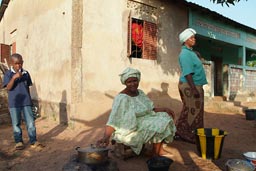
{"x": 5, "y": 53}
{"x": 129, "y": 36}
{"x": 13, "y": 47}
{"x": 149, "y": 40}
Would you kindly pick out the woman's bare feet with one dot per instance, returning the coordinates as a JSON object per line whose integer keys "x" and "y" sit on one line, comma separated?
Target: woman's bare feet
{"x": 165, "y": 153}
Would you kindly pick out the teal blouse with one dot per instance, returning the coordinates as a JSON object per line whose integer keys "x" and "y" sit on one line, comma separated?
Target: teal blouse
{"x": 191, "y": 64}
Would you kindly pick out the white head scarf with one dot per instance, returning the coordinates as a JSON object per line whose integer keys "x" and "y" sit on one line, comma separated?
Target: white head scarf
{"x": 128, "y": 73}
{"x": 186, "y": 34}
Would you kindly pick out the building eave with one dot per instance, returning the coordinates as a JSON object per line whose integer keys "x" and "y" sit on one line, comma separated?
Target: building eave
{"x": 3, "y": 6}
{"x": 220, "y": 17}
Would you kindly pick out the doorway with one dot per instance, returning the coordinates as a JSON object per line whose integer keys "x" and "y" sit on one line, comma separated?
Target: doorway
{"x": 218, "y": 81}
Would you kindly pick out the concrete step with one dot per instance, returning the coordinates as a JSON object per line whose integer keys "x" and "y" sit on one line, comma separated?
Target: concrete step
{"x": 249, "y": 105}
{"x": 219, "y": 98}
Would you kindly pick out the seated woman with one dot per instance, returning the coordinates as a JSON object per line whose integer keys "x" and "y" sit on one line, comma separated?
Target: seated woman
{"x": 134, "y": 121}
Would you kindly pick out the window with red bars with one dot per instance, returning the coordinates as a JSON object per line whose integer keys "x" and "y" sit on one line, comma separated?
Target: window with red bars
{"x": 13, "y": 48}
{"x": 5, "y": 53}
{"x": 142, "y": 39}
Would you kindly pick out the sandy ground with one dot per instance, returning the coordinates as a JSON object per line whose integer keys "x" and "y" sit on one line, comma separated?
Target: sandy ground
{"x": 61, "y": 142}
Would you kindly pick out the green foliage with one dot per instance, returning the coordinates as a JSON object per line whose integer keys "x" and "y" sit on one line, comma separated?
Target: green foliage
{"x": 251, "y": 63}
{"x": 227, "y": 2}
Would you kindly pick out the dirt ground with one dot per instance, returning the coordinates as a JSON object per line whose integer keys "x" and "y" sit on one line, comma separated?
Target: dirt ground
{"x": 61, "y": 141}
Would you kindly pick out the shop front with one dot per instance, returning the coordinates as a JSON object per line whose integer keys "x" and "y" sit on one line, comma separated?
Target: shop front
{"x": 230, "y": 48}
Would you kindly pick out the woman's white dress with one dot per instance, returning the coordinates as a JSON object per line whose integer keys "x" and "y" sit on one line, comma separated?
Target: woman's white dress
{"x": 136, "y": 123}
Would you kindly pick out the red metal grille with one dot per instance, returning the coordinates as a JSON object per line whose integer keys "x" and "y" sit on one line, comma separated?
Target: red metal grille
{"x": 149, "y": 40}
{"x": 129, "y": 36}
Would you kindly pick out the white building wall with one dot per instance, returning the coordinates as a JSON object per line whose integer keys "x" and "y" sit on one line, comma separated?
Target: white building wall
{"x": 41, "y": 30}
{"x": 45, "y": 37}
{"x": 105, "y": 55}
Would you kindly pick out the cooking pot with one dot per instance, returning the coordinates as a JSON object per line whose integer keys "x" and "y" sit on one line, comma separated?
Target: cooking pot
{"x": 92, "y": 155}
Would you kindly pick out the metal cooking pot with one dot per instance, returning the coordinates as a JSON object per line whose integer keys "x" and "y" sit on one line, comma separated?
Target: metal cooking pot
{"x": 92, "y": 155}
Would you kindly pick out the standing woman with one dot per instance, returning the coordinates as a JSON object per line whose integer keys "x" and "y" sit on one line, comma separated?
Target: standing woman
{"x": 190, "y": 86}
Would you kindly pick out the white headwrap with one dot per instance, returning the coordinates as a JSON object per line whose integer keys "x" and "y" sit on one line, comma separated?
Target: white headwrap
{"x": 128, "y": 73}
{"x": 186, "y": 34}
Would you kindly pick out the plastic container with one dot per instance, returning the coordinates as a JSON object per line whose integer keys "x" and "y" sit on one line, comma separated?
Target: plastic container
{"x": 238, "y": 165}
{"x": 250, "y": 114}
{"x": 250, "y": 157}
{"x": 159, "y": 163}
{"x": 209, "y": 142}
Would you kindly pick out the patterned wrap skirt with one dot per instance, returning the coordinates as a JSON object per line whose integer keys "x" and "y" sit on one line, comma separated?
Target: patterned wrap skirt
{"x": 192, "y": 114}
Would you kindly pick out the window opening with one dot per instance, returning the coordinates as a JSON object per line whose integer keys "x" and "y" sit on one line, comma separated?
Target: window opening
{"x": 142, "y": 39}
{"x": 137, "y": 38}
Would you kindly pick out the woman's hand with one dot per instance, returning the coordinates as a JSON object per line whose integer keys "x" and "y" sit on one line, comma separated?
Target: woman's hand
{"x": 192, "y": 86}
{"x": 195, "y": 92}
{"x": 167, "y": 110}
{"x": 170, "y": 113}
{"x": 103, "y": 142}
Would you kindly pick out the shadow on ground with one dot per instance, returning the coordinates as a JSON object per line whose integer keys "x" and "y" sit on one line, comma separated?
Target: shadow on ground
{"x": 61, "y": 141}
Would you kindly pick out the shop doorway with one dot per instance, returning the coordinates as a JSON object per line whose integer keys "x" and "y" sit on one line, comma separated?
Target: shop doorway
{"x": 218, "y": 80}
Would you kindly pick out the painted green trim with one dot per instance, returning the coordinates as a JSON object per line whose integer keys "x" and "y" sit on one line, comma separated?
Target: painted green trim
{"x": 214, "y": 29}
{"x": 243, "y": 67}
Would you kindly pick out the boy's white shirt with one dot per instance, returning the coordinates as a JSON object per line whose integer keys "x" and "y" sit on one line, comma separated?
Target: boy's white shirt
{"x": 23, "y": 72}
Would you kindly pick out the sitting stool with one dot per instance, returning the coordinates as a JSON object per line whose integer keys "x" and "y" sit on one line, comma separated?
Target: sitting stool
{"x": 123, "y": 151}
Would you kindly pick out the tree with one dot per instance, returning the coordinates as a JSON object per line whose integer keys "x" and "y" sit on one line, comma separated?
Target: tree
{"x": 227, "y": 2}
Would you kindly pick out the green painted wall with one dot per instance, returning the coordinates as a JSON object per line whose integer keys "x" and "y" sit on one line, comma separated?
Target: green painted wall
{"x": 218, "y": 39}
{"x": 209, "y": 48}
{"x": 218, "y": 30}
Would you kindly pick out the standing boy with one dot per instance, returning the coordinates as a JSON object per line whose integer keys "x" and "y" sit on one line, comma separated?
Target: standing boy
{"x": 17, "y": 81}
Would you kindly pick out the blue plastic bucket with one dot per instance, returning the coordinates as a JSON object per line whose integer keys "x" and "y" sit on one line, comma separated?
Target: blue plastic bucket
{"x": 250, "y": 114}
{"x": 159, "y": 163}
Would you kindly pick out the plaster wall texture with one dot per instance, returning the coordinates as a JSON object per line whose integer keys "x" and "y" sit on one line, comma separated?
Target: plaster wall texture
{"x": 104, "y": 52}
{"x": 42, "y": 32}
{"x": 75, "y": 50}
